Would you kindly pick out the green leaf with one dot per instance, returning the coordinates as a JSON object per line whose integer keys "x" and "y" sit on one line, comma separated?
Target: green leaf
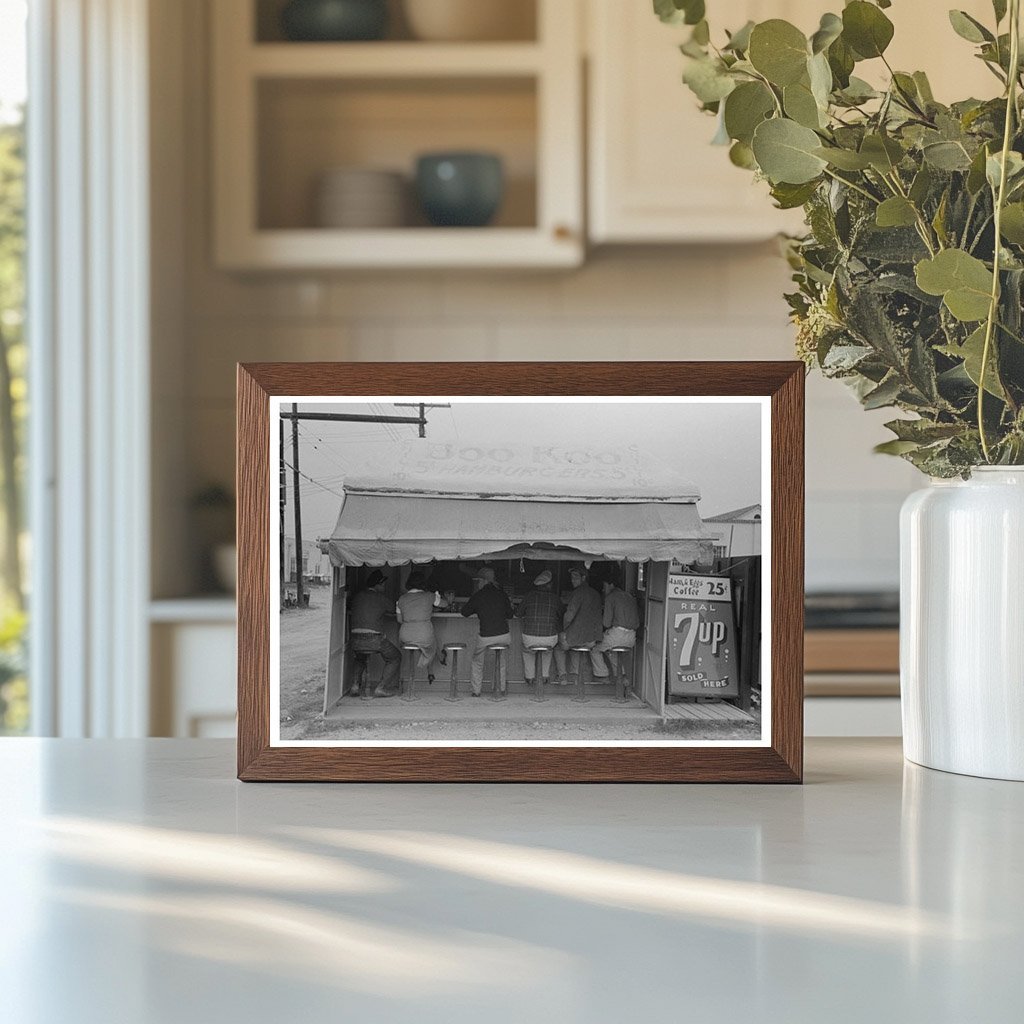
{"x": 741, "y": 155}
{"x": 1014, "y": 169}
{"x": 883, "y": 153}
{"x": 841, "y": 60}
{"x": 971, "y": 352}
{"x": 789, "y": 197}
{"x": 866, "y": 29}
{"x": 801, "y": 106}
{"x": 896, "y": 447}
{"x": 976, "y": 174}
{"x": 708, "y": 80}
{"x": 830, "y": 29}
{"x": 745, "y": 108}
{"x": 922, "y": 185}
{"x": 778, "y": 50}
{"x": 1012, "y": 226}
{"x": 924, "y": 87}
{"x": 739, "y": 41}
{"x": 785, "y": 152}
{"x": 676, "y": 12}
{"x": 947, "y": 156}
{"x": 999, "y": 6}
{"x": 858, "y": 91}
{"x": 969, "y": 28}
{"x": 884, "y": 395}
{"x": 963, "y": 281}
{"x": 896, "y": 212}
{"x": 820, "y": 76}
{"x": 844, "y": 159}
{"x": 923, "y": 431}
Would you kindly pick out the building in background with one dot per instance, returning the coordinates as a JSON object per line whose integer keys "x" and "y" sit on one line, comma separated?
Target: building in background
{"x": 737, "y": 533}
{"x": 316, "y": 566}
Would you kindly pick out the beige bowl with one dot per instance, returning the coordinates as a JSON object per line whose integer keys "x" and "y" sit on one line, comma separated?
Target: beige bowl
{"x": 471, "y": 20}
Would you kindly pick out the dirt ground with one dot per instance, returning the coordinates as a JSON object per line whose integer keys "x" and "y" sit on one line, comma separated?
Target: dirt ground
{"x": 304, "y": 637}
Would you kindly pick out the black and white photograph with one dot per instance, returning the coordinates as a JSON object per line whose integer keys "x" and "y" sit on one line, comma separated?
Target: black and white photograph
{"x": 499, "y": 571}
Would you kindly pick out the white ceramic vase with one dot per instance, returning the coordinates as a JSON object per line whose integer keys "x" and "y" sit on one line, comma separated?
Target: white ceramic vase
{"x": 962, "y": 624}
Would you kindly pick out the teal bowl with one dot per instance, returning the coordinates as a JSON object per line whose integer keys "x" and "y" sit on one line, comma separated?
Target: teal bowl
{"x": 460, "y": 190}
{"x": 334, "y": 21}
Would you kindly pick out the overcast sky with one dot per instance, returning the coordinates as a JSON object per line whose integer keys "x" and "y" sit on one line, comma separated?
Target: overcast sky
{"x": 715, "y": 446}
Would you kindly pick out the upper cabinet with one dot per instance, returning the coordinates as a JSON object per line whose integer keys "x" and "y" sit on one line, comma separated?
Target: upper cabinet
{"x": 316, "y": 142}
{"x": 653, "y": 174}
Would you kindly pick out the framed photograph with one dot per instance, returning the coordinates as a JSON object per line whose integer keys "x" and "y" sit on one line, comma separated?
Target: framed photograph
{"x": 518, "y": 572}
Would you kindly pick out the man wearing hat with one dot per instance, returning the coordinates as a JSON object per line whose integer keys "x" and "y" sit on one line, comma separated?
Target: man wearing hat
{"x": 583, "y": 626}
{"x": 541, "y": 612}
{"x": 491, "y": 606}
{"x": 369, "y": 608}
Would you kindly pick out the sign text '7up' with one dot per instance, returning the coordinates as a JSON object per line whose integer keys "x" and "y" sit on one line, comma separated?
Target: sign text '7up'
{"x": 702, "y": 656}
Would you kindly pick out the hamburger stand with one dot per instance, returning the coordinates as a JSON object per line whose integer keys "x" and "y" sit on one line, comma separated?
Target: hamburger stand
{"x": 452, "y": 508}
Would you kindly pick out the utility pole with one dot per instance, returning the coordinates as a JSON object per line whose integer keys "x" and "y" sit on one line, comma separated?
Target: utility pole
{"x": 282, "y": 501}
{"x": 298, "y": 505}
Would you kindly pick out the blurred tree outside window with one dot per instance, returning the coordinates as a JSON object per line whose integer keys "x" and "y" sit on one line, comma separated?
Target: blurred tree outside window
{"x": 14, "y": 702}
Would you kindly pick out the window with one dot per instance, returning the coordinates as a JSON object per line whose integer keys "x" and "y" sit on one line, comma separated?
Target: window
{"x": 14, "y": 704}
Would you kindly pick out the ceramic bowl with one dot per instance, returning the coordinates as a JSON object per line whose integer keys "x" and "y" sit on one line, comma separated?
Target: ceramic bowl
{"x": 334, "y": 20}
{"x": 460, "y": 189}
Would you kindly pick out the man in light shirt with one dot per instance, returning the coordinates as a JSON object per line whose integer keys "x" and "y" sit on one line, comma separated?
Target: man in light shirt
{"x": 621, "y": 621}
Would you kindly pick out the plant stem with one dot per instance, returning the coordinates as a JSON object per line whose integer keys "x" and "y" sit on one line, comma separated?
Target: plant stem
{"x": 855, "y": 187}
{"x": 1000, "y": 199}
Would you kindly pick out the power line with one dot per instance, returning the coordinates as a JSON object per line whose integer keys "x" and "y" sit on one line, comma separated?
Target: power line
{"x": 312, "y": 481}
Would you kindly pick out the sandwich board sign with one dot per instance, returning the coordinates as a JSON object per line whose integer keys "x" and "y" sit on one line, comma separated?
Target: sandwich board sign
{"x": 702, "y": 656}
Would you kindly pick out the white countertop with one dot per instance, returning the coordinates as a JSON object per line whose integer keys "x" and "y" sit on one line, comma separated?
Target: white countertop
{"x": 143, "y": 885}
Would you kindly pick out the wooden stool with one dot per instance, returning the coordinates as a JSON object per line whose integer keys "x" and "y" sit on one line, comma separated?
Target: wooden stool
{"x": 409, "y": 685}
{"x": 620, "y": 673}
{"x": 539, "y": 678}
{"x": 453, "y": 686}
{"x": 582, "y": 659}
{"x": 498, "y": 693}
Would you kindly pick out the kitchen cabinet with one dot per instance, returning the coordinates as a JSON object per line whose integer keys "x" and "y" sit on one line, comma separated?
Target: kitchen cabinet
{"x": 286, "y": 113}
{"x": 653, "y": 175}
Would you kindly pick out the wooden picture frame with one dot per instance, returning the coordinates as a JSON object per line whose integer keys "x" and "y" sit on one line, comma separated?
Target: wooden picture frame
{"x": 779, "y": 760}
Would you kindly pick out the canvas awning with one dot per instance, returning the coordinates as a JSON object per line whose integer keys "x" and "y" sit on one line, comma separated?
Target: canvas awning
{"x": 390, "y": 529}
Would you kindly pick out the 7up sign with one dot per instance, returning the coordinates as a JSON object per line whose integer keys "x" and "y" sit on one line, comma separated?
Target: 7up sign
{"x": 702, "y": 656}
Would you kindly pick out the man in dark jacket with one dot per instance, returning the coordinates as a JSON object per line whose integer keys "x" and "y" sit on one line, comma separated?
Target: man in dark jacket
{"x": 492, "y": 607}
{"x": 369, "y": 608}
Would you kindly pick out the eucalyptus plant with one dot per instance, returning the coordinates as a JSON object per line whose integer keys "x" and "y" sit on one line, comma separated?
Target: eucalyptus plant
{"x": 910, "y": 278}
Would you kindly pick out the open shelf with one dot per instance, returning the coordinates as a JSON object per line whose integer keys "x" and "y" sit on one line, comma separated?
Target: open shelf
{"x": 520, "y": 17}
{"x": 287, "y": 113}
{"x": 393, "y": 60}
{"x": 306, "y": 128}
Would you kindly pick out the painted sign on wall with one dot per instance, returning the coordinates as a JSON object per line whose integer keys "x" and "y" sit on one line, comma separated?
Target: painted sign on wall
{"x": 702, "y": 655}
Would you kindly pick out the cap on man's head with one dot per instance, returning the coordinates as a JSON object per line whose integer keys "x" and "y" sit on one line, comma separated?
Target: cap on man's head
{"x": 376, "y": 577}
{"x": 486, "y": 574}
{"x": 577, "y": 571}
{"x": 543, "y": 579}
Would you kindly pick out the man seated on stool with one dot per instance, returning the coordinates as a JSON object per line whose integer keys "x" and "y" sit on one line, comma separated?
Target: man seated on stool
{"x": 369, "y": 607}
{"x": 582, "y": 626}
{"x": 621, "y": 619}
{"x": 492, "y": 607}
{"x": 541, "y": 612}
